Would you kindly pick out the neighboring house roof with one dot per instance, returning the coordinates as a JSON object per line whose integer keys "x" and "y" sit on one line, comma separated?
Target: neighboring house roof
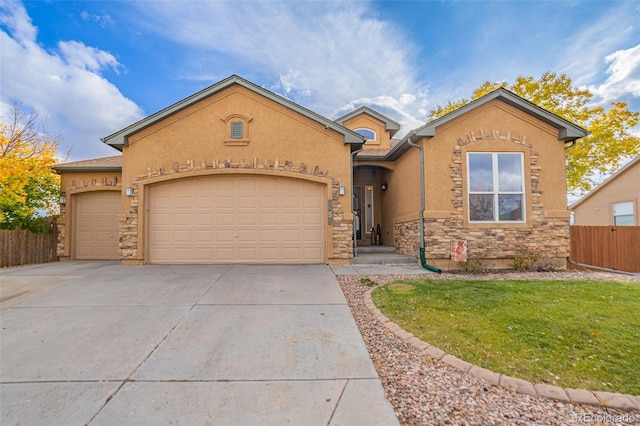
{"x": 606, "y": 182}
{"x": 391, "y": 126}
{"x": 567, "y": 131}
{"x": 107, "y": 164}
{"x": 120, "y": 138}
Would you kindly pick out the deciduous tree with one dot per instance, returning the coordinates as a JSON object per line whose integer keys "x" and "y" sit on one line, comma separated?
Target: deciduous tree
{"x": 29, "y": 187}
{"x": 610, "y": 142}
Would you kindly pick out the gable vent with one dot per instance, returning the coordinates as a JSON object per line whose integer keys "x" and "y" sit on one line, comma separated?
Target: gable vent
{"x": 236, "y": 130}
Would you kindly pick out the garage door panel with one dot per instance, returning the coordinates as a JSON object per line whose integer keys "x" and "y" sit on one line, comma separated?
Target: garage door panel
{"x": 248, "y": 219}
{"x": 203, "y": 235}
{"x": 268, "y": 202}
{"x": 311, "y": 219}
{"x": 95, "y": 225}
{"x": 203, "y": 219}
{"x": 183, "y": 202}
{"x": 224, "y": 202}
{"x": 237, "y": 219}
{"x": 268, "y": 219}
{"x": 291, "y": 219}
{"x": 291, "y": 235}
{"x": 313, "y": 235}
{"x": 267, "y": 235}
{"x": 182, "y": 219}
{"x": 291, "y": 202}
{"x": 312, "y": 203}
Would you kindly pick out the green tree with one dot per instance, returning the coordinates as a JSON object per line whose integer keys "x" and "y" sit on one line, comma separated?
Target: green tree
{"x": 28, "y": 185}
{"x": 600, "y": 153}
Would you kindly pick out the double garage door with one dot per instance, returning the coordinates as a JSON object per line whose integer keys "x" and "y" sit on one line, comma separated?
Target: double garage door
{"x": 237, "y": 219}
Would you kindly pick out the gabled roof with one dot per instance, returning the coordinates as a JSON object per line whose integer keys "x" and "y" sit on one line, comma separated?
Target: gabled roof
{"x": 607, "y": 181}
{"x": 567, "y": 131}
{"x": 105, "y": 164}
{"x": 391, "y": 126}
{"x": 120, "y": 138}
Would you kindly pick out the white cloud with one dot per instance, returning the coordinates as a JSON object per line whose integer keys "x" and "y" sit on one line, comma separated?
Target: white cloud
{"x": 324, "y": 54}
{"x": 104, "y": 20}
{"x": 67, "y": 85}
{"x": 595, "y": 39}
{"x": 623, "y": 76}
{"x": 78, "y": 55}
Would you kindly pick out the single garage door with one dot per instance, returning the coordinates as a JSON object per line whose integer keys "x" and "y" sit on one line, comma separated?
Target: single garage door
{"x": 237, "y": 219}
{"x": 96, "y": 225}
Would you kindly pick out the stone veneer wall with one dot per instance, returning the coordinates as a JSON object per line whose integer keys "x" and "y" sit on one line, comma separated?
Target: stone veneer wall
{"x": 342, "y": 229}
{"x": 547, "y": 236}
{"x": 62, "y": 232}
{"x": 62, "y": 236}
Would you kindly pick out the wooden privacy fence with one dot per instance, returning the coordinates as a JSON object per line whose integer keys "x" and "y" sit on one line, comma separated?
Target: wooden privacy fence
{"x": 21, "y": 247}
{"x": 613, "y": 247}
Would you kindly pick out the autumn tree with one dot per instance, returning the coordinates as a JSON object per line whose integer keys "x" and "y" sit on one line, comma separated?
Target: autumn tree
{"x": 602, "y": 152}
{"x": 29, "y": 187}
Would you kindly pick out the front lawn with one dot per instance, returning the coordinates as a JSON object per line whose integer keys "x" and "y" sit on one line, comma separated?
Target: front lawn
{"x": 575, "y": 334}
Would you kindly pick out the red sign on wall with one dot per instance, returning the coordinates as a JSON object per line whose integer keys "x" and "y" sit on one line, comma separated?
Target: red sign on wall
{"x": 459, "y": 250}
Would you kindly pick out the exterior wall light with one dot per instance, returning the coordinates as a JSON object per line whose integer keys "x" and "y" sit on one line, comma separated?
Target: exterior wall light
{"x": 128, "y": 191}
{"x": 63, "y": 199}
{"x": 341, "y": 190}
{"x": 384, "y": 186}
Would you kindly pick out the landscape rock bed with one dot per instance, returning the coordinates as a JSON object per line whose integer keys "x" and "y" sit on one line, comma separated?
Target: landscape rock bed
{"x": 424, "y": 391}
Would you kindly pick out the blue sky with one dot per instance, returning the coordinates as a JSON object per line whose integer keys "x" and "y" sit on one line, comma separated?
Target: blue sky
{"x": 93, "y": 67}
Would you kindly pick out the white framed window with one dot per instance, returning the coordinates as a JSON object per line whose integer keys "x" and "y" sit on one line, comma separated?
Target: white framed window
{"x": 495, "y": 187}
{"x": 623, "y": 214}
{"x": 368, "y": 134}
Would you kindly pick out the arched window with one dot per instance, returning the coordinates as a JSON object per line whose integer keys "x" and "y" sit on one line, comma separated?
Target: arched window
{"x": 369, "y": 134}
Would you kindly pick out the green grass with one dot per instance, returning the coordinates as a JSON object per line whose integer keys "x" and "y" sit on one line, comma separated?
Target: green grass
{"x": 576, "y": 334}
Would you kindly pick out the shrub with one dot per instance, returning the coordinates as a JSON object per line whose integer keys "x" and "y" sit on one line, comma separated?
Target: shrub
{"x": 473, "y": 267}
{"x": 535, "y": 262}
{"x": 368, "y": 282}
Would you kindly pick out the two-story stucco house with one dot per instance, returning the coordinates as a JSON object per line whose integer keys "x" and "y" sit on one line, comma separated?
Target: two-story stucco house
{"x": 238, "y": 174}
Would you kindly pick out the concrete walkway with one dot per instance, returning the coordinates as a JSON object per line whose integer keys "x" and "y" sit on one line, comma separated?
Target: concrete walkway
{"x": 103, "y": 344}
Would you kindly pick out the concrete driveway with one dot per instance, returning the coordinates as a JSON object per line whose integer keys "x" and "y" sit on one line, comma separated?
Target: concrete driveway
{"x": 89, "y": 342}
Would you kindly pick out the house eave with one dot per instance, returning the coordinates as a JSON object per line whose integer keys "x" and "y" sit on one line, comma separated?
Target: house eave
{"x": 391, "y": 126}
{"x": 567, "y": 131}
{"x": 605, "y": 183}
{"x": 120, "y": 138}
{"x": 62, "y": 168}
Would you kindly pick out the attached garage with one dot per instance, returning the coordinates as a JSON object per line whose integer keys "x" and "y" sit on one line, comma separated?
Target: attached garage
{"x": 96, "y": 233}
{"x": 237, "y": 219}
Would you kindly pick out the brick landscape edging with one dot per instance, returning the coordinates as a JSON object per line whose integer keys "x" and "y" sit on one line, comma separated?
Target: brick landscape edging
{"x": 577, "y": 396}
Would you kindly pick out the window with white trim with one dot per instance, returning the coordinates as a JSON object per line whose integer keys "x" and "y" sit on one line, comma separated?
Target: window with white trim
{"x": 368, "y": 134}
{"x": 623, "y": 214}
{"x": 495, "y": 187}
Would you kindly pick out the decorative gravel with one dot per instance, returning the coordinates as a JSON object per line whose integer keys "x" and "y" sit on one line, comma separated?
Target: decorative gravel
{"x": 424, "y": 391}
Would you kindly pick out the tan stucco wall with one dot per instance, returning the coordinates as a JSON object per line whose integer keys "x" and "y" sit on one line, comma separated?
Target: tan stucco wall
{"x": 72, "y": 183}
{"x": 493, "y": 127}
{"x": 597, "y": 210}
{"x": 364, "y": 120}
{"x": 281, "y": 142}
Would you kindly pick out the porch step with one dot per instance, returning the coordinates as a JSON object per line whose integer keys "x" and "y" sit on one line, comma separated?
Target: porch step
{"x": 376, "y": 249}
{"x": 384, "y": 258}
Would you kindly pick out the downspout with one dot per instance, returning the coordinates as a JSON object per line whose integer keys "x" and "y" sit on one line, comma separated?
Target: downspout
{"x": 599, "y": 268}
{"x": 355, "y": 241}
{"x": 423, "y": 259}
